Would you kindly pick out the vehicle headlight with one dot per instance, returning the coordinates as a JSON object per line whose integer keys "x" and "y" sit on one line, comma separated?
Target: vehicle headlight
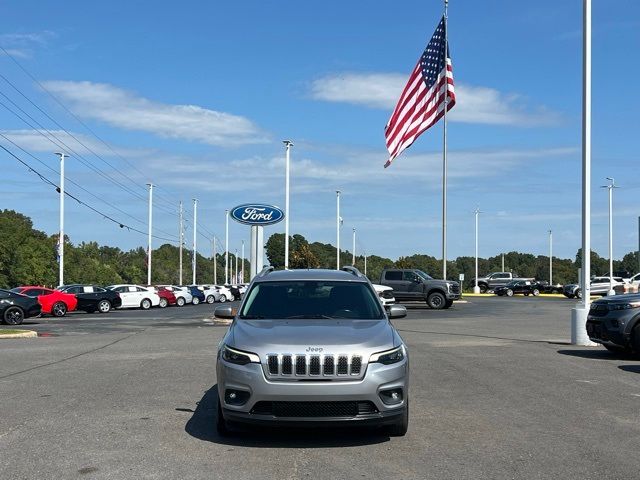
{"x": 389, "y": 356}
{"x": 624, "y": 306}
{"x": 238, "y": 357}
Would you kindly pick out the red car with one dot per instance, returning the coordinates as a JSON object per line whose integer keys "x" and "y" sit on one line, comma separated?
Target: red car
{"x": 52, "y": 302}
{"x": 166, "y": 297}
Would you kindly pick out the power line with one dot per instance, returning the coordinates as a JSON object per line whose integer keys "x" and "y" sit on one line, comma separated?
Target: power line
{"x": 81, "y": 202}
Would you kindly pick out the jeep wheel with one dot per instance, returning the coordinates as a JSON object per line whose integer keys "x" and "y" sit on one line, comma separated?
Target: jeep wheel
{"x": 509, "y": 292}
{"x": 400, "y": 428}
{"x": 436, "y": 301}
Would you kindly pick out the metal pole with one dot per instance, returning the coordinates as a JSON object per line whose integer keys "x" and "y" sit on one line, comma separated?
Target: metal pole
{"x": 550, "y": 257}
{"x": 288, "y": 144}
{"x": 610, "y": 187}
{"x": 235, "y": 278}
{"x": 226, "y": 248}
{"x": 476, "y": 288}
{"x": 215, "y": 262}
{"x": 337, "y": 229}
{"x": 365, "y": 264}
{"x": 579, "y": 314}
{"x": 181, "y": 239}
{"x": 150, "y": 185}
{"x": 195, "y": 232}
{"x": 353, "y": 258}
{"x": 242, "y": 269}
{"x": 502, "y": 263}
{"x": 444, "y": 144}
{"x": 62, "y": 156}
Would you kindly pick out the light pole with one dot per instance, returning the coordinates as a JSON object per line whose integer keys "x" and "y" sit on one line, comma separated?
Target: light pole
{"x": 365, "y": 263}
{"x": 610, "y": 187}
{"x": 235, "y": 277}
{"x": 62, "y": 156}
{"x": 215, "y": 262}
{"x": 150, "y": 185}
{"x": 579, "y": 313}
{"x": 226, "y": 248}
{"x": 476, "y": 288}
{"x": 337, "y": 229}
{"x": 550, "y": 258}
{"x": 288, "y": 144}
{"x": 353, "y": 258}
{"x": 181, "y": 240}
{"x": 195, "y": 228}
{"x": 242, "y": 264}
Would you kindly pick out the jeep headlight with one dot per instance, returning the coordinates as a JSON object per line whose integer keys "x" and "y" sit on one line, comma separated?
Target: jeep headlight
{"x": 389, "y": 356}
{"x": 238, "y": 357}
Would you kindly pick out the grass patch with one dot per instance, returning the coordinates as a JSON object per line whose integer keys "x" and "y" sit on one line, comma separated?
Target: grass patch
{"x": 10, "y": 331}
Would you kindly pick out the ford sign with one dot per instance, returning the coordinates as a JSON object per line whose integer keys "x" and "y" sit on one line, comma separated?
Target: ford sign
{"x": 257, "y": 214}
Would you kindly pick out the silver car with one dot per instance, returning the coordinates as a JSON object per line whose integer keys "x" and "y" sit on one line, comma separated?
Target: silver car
{"x": 312, "y": 347}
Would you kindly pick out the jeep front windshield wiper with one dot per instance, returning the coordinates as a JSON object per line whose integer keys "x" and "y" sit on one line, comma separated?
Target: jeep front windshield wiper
{"x": 310, "y": 316}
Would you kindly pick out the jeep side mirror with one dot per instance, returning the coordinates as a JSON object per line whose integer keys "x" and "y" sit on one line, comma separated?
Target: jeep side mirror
{"x": 397, "y": 311}
{"x": 225, "y": 312}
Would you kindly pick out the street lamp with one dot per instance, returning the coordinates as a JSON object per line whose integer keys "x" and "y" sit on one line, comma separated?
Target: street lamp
{"x": 610, "y": 187}
{"x": 337, "y": 229}
{"x": 476, "y": 288}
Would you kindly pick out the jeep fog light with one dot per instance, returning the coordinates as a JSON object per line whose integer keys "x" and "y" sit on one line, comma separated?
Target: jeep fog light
{"x": 392, "y": 396}
{"x": 236, "y": 397}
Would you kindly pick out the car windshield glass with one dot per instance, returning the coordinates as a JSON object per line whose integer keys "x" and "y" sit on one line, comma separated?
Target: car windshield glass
{"x": 16, "y": 290}
{"x": 302, "y": 300}
{"x": 424, "y": 275}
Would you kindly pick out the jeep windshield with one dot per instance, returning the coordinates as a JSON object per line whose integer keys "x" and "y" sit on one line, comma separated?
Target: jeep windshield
{"x": 306, "y": 300}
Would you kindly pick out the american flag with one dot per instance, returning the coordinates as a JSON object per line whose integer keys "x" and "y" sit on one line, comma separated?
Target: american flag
{"x": 422, "y": 101}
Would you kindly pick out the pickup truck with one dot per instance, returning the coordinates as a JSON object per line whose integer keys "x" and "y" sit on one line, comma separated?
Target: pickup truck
{"x": 413, "y": 284}
{"x": 497, "y": 279}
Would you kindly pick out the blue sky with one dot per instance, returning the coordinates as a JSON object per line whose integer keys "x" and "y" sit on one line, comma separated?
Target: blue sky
{"x": 197, "y": 97}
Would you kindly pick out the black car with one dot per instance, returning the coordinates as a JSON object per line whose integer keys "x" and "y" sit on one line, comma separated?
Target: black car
{"x": 92, "y": 298}
{"x": 15, "y": 307}
{"x": 525, "y": 287}
{"x": 235, "y": 291}
{"x": 197, "y": 294}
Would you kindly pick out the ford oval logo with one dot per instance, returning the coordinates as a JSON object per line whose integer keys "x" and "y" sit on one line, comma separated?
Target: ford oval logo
{"x": 257, "y": 214}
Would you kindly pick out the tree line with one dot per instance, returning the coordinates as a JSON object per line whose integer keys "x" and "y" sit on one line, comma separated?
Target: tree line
{"x": 29, "y": 257}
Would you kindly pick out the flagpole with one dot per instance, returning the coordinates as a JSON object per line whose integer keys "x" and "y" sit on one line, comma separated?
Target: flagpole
{"x": 444, "y": 146}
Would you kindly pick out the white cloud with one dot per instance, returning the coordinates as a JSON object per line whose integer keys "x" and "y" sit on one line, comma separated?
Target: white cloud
{"x": 473, "y": 104}
{"x": 22, "y": 44}
{"x": 126, "y": 110}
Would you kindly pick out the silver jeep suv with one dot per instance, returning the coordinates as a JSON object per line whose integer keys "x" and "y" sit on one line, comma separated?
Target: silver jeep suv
{"x": 312, "y": 347}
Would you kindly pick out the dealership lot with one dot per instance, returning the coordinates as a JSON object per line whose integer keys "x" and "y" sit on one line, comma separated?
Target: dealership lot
{"x": 495, "y": 393}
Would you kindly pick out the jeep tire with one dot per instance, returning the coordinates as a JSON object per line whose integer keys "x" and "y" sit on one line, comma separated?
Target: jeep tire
{"x": 436, "y": 300}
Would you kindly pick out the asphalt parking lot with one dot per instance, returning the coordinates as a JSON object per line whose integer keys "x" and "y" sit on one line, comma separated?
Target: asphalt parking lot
{"x": 496, "y": 393}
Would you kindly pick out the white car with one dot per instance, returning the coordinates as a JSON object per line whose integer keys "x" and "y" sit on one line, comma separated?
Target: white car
{"x": 136, "y": 296}
{"x": 225, "y": 293}
{"x": 211, "y": 293}
{"x": 183, "y": 295}
{"x": 385, "y": 294}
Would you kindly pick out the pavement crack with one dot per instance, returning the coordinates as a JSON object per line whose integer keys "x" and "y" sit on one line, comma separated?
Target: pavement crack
{"x": 72, "y": 356}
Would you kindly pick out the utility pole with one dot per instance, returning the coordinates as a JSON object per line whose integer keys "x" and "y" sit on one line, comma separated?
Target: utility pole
{"x": 365, "y": 264}
{"x": 195, "y": 232}
{"x": 149, "y": 246}
{"x": 337, "y": 229}
{"x": 226, "y": 248}
{"x": 215, "y": 262}
{"x": 288, "y": 144}
{"x": 550, "y": 257}
{"x": 181, "y": 239}
{"x": 62, "y": 156}
{"x": 353, "y": 258}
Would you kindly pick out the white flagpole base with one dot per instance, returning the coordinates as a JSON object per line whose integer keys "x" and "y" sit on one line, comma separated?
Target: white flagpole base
{"x": 579, "y": 327}
{"x": 476, "y": 290}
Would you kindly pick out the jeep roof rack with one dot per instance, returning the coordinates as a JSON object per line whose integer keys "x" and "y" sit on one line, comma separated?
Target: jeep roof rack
{"x": 351, "y": 270}
{"x": 266, "y": 271}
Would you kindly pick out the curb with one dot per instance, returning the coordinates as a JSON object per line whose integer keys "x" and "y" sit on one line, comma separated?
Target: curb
{"x": 24, "y": 334}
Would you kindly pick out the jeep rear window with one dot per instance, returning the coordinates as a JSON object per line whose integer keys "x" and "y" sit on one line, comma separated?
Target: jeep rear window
{"x": 307, "y": 299}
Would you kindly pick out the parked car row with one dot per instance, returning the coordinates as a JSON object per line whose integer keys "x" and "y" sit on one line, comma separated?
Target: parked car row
{"x": 20, "y": 302}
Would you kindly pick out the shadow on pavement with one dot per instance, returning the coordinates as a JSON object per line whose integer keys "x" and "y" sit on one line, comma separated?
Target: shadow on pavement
{"x": 202, "y": 425}
{"x": 596, "y": 354}
{"x": 630, "y": 368}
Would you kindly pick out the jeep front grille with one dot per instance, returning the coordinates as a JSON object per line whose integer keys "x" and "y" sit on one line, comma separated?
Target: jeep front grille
{"x": 346, "y": 409}
{"x": 283, "y": 366}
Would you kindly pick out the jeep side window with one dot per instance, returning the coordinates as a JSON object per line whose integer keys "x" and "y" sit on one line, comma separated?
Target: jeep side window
{"x": 393, "y": 275}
